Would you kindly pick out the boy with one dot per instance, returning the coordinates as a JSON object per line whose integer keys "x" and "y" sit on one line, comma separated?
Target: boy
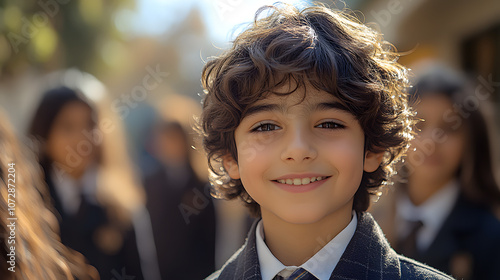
{"x": 304, "y": 118}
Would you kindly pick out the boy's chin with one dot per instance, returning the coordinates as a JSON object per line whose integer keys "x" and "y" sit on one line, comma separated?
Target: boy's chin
{"x": 302, "y": 216}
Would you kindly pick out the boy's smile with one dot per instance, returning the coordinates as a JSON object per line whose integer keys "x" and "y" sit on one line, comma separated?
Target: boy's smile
{"x": 300, "y": 182}
{"x": 300, "y": 157}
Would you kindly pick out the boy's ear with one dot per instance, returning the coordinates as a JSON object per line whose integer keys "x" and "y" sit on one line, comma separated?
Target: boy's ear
{"x": 231, "y": 166}
{"x": 372, "y": 161}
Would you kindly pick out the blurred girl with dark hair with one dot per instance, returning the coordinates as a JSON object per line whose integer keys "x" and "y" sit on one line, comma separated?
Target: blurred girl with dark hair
{"x": 38, "y": 252}
{"x": 445, "y": 212}
{"x": 91, "y": 182}
{"x": 181, "y": 208}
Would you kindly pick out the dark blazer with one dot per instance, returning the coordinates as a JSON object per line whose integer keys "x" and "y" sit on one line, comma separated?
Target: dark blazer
{"x": 468, "y": 244}
{"x": 367, "y": 256}
{"x": 79, "y": 233}
{"x": 183, "y": 222}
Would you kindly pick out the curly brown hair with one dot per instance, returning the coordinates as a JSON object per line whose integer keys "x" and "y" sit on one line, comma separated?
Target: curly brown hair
{"x": 327, "y": 49}
{"x": 39, "y": 253}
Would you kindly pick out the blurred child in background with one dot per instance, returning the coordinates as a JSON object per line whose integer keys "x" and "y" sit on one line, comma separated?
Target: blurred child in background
{"x": 181, "y": 208}
{"x": 444, "y": 213}
{"x": 38, "y": 251}
{"x": 92, "y": 184}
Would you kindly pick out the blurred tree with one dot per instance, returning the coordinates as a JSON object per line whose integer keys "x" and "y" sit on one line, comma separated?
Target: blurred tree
{"x": 53, "y": 34}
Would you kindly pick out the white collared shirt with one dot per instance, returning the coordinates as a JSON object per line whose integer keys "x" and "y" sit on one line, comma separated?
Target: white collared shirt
{"x": 68, "y": 189}
{"x": 432, "y": 213}
{"x": 320, "y": 265}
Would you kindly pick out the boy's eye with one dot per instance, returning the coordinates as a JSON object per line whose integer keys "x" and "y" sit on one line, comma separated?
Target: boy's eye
{"x": 266, "y": 127}
{"x": 330, "y": 125}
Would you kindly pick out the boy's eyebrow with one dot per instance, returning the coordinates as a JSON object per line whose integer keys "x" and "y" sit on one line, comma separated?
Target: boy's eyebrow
{"x": 331, "y": 105}
{"x": 275, "y": 107}
{"x": 261, "y": 108}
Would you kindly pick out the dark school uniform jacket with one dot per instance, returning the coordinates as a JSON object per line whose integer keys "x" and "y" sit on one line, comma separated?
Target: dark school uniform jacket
{"x": 367, "y": 256}
{"x": 80, "y": 231}
{"x": 185, "y": 240}
{"x": 468, "y": 244}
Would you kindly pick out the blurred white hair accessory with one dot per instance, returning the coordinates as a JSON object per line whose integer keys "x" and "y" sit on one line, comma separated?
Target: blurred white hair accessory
{"x": 78, "y": 80}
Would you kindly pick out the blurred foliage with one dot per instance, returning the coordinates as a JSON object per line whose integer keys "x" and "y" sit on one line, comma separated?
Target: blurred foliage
{"x": 53, "y": 34}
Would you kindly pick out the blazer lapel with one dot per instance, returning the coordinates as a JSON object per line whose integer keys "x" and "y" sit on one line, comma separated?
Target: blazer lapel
{"x": 244, "y": 264}
{"x": 450, "y": 238}
{"x": 368, "y": 255}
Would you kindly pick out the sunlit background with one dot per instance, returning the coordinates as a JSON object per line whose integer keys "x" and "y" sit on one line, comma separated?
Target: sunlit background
{"x": 116, "y": 40}
{"x": 120, "y": 42}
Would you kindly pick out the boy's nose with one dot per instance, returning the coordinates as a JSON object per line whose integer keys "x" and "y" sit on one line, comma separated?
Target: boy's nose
{"x": 298, "y": 148}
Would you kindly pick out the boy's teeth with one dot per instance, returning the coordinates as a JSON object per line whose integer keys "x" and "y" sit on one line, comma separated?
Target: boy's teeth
{"x": 298, "y": 181}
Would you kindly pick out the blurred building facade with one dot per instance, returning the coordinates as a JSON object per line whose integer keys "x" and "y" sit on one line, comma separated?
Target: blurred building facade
{"x": 464, "y": 35}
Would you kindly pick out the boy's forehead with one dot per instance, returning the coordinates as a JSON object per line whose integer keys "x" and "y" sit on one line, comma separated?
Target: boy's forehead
{"x": 306, "y": 100}
{"x": 306, "y": 95}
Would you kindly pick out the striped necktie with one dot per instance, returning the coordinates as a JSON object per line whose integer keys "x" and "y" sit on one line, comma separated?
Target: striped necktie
{"x": 299, "y": 274}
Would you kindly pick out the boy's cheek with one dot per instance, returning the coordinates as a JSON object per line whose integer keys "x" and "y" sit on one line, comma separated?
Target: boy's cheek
{"x": 347, "y": 149}
{"x": 249, "y": 148}
{"x": 246, "y": 152}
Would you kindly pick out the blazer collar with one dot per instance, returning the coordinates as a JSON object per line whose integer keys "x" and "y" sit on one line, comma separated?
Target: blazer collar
{"x": 368, "y": 256}
{"x": 244, "y": 264}
{"x": 462, "y": 221}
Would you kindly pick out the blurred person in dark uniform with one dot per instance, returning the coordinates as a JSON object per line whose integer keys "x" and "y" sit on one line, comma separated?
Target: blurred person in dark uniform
{"x": 29, "y": 236}
{"x": 445, "y": 212}
{"x": 181, "y": 208}
{"x": 88, "y": 180}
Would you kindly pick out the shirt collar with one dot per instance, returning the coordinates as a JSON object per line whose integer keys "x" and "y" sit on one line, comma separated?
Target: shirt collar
{"x": 69, "y": 189}
{"x": 432, "y": 212}
{"x": 320, "y": 265}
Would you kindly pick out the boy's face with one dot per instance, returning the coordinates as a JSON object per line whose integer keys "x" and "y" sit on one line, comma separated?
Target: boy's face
{"x": 301, "y": 160}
